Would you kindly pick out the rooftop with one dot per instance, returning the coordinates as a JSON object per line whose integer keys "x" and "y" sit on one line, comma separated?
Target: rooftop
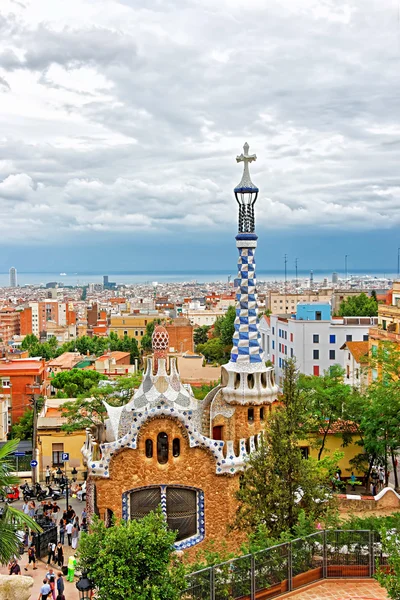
{"x": 358, "y": 349}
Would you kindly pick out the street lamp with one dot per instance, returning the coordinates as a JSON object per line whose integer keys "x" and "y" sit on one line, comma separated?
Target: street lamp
{"x": 84, "y": 587}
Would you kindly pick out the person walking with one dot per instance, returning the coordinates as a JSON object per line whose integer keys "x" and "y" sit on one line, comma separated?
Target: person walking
{"x": 55, "y": 510}
{"x": 69, "y": 527}
{"x": 60, "y": 584}
{"x": 48, "y": 475}
{"x": 14, "y": 568}
{"x": 59, "y": 555}
{"x": 381, "y": 476}
{"x": 51, "y": 549}
{"x": 51, "y": 578}
{"x": 62, "y": 531}
{"x": 45, "y": 590}
{"x": 32, "y": 508}
{"x": 75, "y": 534}
{"x": 31, "y": 557}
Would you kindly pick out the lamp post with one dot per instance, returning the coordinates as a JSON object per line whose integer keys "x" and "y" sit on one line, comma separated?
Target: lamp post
{"x": 84, "y": 587}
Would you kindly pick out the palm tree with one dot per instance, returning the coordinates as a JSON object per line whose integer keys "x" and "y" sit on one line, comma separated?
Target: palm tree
{"x": 11, "y": 520}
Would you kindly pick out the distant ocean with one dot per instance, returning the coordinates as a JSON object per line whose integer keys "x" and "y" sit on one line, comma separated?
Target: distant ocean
{"x": 126, "y": 277}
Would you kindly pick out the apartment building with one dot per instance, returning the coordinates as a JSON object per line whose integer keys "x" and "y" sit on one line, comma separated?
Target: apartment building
{"x": 35, "y": 317}
{"x": 312, "y": 336}
{"x": 20, "y": 380}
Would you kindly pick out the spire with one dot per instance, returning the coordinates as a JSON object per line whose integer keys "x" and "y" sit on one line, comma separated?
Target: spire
{"x": 246, "y": 193}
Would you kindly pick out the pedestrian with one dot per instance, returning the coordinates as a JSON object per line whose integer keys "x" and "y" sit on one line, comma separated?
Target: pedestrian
{"x": 32, "y": 508}
{"x": 62, "y": 531}
{"x": 59, "y": 555}
{"x": 51, "y": 549}
{"x": 70, "y": 513}
{"x": 45, "y": 590}
{"x": 14, "y": 568}
{"x": 84, "y": 525}
{"x": 84, "y": 514}
{"x": 60, "y": 584}
{"x": 51, "y": 578}
{"x": 48, "y": 474}
{"x": 25, "y": 507}
{"x": 31, "y": 557}
{"x": 26, "y": 537}
{"x": 71, "y": 567}
{"x": 69, "y": 527}
{"x": 75, "y": 536}
{"x": 381, "y": 477}
{"x": 55, "y": 510}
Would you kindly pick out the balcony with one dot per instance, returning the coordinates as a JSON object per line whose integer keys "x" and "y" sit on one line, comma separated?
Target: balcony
{"x": 377, "y": 333}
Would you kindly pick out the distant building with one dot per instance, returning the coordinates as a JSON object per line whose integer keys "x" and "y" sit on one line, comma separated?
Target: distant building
{"x": 335, "y": 278}
{"x": 132, "y": 325}
{"x": 36, "y": 316}
{"x": 355, "y": 363}
{"x": 312, "y": 336}
{"x": 13, "y": 277}
{"x": 64, "y": 362}
{"x": 9, "y": 324}
{"x": 20, "y": 381}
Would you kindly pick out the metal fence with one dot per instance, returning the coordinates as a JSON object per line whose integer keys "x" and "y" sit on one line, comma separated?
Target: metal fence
{"x": 43, "y": 539}
{"x": 286, "y": 567}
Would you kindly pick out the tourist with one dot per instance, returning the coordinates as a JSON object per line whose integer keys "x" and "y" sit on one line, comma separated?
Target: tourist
{"x": 32, "y": 508}
{"x": 14, "y": 568}
{"x": 45, "y": 590}
{"x": 381, "y": 476}
{"x": 70, "y": 513}
{"x": 51, "y": 578}
{"x": 75, "y": 533}
{"x": 31, "y": 557}
{"x": 25, "y": 507}
{"x": 84, "y": 525}
{"x": 69, "y": 527}
{"x": 62, "y": 531}
{"x": 84, "y": 514}
{"x": 51, "y": 549}
{"x": 48, "y": 474}
{"x": 59, "y": 555}
{"x": 60, "y": 584}
{"x": 55, "y": 510}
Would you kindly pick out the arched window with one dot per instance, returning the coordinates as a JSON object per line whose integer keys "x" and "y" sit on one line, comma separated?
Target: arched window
{"x": 237, "y": 381}
{"x": 250, "y": 415}
{"x": 262, "y": 413}
{"x": 149, "y": 448}
{"x": 250, "y": 381}
{"x": 176, "y": 447}
{"x": 162, "y": 448}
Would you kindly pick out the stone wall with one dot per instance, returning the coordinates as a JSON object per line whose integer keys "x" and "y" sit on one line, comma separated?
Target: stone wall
{"x": 195, "y": 467}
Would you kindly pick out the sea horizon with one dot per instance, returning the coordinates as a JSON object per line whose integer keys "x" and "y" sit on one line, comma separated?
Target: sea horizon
{"x": 79, "y": 278}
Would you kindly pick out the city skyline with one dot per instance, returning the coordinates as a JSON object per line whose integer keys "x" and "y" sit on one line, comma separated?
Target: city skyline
{"x": 94, "y": 166}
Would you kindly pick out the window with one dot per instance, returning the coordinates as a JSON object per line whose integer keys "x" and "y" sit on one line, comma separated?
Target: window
{"x": 5, "y": 383}
{"x": 280, "y": 347}
{"x": 348, "y": 372}
{"x": 357, "y": 373}
{"x": 250, "y": 415}
{"x": 365, "y": 337}
{"x": 316, "y": 370}
{"x": 285, "y": 349}
{"x": 182, "y": 511}
{"x": 315, "y": 338}
{"x": 384, "y": 324}
{"x": 349, "y": 338}
{"x": 136, "y": 333}
{"x": 273, "y": 329}
{"x": 291, "y": 337}
{"x": 176, "y": 447}
{"x": 273, "y": 344}
{"x": 332, "y": 339}
{"x": 315, "y": 354}
{"x": 332, "y": 355}
{"x": 57, "y": 452}
{"x": 144, "y": 501}
{"x": 305, "y": 451}
{"x": 262, "y": 414}
{"x": 126, "y": 332}
{"x": 285, "y": 335}
{"x": 162, "y": 448}
{"x": 318, "y": 315}
{"x": 217, "y": 432}
{"x": 280, "y": 362}
{"x": 291, "y": 353}
{"x": 149, "y": 448}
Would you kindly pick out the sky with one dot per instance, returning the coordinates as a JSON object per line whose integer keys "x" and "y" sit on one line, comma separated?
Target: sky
{"x": 120, "y": 122}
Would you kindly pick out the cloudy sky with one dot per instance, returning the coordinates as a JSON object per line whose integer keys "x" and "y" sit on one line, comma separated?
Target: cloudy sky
{"x": 120, "y": 122}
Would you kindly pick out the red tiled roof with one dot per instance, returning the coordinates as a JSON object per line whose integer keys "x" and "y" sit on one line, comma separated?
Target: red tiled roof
{"x": 359, "y": 350}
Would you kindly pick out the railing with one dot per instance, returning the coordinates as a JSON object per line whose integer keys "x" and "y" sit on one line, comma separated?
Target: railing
{"x": 286, "y": 567}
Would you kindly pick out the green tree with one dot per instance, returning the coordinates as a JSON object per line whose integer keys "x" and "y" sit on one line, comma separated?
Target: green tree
{"x": 327, "y": 400}
{"x": 146, "y": 342}
{"x": 133, "y": 560}
{"x": 279, "y": 483}
{"x": 200, "y": 334}
{"x": 359, "y": 306}
{"x": 389, "y": 576}
{"x": 224, "y": 326}
{"x": 76, "y": 381}
{"x": 11, "y": 519}
{"x": 213, "y": 350}
{"x": 23, "y": 428}
{"x": 28, "y": 341}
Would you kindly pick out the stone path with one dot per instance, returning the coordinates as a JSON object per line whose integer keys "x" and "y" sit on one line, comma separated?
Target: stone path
{"x": 340, "y": 589}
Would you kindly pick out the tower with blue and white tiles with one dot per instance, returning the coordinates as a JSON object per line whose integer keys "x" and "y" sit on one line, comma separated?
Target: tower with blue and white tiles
{"x": 246, "y": 377}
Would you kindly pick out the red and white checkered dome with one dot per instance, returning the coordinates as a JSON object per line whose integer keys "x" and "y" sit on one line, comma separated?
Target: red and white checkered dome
{"x": 160, "y": 338}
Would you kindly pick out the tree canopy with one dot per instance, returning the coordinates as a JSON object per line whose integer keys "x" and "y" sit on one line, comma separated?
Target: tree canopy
{"x": 133, "y": 560}
{"x": 76, "y": 381}
{"x": 200, "y": 334}
{"x": 359, "y": 306}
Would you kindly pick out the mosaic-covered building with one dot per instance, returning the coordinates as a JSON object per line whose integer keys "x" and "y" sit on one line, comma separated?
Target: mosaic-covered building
{"x": 165, "y": 447}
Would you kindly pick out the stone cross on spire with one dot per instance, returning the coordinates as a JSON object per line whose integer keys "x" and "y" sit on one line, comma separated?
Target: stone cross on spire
{"x": 246, "y": 158}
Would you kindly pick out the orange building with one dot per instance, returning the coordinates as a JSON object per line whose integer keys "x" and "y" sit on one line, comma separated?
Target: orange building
{"x": 180, "y": 333}
{"x": 21, "y": 379}
{"x": 26, "y": 321}
{"x": 9, "y": 323}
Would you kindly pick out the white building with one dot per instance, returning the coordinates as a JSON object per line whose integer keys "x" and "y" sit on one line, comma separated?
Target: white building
{"x": 312, "y": 336}
{"x": 355, "y": 362}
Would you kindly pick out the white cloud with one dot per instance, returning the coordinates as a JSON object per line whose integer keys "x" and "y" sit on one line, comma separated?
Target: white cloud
{"x": 119, "y": 116}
